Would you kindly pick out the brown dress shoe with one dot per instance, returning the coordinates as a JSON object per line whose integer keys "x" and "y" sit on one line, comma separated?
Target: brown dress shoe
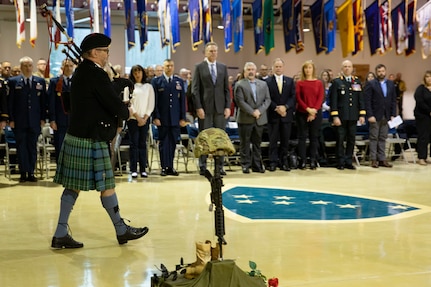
{"x": 374, "y": 164}
{"x": 384, "y": 163}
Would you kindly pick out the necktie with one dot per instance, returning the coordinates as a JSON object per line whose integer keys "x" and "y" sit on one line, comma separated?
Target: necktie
{"x": 170, "y": 80}
{"x": 213, "y": 74}
{"x": 253, "y": 88}
{"x": 279, "y": 84}
{"x": 28, "y": 83}
{"x": 348, "y": 79}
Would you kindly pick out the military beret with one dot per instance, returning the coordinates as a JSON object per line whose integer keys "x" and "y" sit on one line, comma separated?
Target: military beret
{"x": 94, "y": 40}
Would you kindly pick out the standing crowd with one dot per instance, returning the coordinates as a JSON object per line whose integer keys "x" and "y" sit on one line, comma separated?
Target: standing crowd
{"x": 86, "y": 107}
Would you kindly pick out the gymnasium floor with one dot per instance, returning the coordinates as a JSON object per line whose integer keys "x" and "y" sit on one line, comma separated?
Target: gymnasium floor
{"x": 324, "y": 228}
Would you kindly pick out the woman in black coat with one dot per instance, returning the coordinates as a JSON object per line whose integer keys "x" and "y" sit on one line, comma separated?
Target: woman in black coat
{"x": 422, "y": 114}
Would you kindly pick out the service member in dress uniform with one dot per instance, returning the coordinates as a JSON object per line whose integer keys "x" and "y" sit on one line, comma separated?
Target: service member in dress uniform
{"x": 169, "y": 114}
{"x": 347, "y": 107}
{"x": 59, "y": 103}
{"x": 27, "y": 113}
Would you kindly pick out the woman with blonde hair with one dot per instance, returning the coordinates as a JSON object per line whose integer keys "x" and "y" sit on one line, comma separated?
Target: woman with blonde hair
{"x": 309, "y": 97}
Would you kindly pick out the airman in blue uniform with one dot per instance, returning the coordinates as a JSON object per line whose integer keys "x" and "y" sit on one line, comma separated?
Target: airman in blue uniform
{"x": 27, "y": 113}
{"x": 169, "y": 114}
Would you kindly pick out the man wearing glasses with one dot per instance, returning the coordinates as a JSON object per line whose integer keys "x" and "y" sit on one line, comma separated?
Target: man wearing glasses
{"x": 84, "y": 162}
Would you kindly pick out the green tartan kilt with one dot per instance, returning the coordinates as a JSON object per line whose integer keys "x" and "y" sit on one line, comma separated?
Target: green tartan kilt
{"x": 84, "y": 164}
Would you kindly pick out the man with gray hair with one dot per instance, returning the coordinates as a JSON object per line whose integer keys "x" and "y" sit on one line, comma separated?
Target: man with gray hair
{"x": 27, "y": 113}
{"x": 347, "y": 107}
{"x": 253, "y": 99}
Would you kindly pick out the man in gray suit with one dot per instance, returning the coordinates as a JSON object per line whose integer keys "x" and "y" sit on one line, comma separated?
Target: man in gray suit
{"x": 253, "y": 99}
{"x": 211, "y": 98}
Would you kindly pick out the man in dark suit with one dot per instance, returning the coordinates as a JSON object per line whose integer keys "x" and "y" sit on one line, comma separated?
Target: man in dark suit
{"x": 347, "y": 106}
{"x": 27, "y": 113}
{"x": 59, "y": 103}
{"x": 381, "y": 102}
{"x": 169, "y": 114}
{"x": 253, "y": 99}
{"x": 280, "y": 116}
{"x": 210, "y": 89}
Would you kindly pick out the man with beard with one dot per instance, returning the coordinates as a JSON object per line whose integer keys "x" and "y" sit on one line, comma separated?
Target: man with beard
{"x": 381, "y": 102}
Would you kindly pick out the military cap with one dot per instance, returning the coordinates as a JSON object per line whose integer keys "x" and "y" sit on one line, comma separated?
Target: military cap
{"x": 94, "y": 40}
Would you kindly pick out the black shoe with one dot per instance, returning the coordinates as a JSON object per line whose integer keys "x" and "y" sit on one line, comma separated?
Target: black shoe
{"x": 285, "y": 167}
{"x": 245, "y": 170}
{"x": 132, "y": 233}
{"x": 65, "y": 242}
{"x": 222, "y": 172}
{"x": 302, "y": 165}
{"x": 350, "y": 166}
{"x": 313, "y": 165}
{"x": 272, "y": 167}
{"x": 259, "y": 170}
{"x": 23, "y": 178}
{"x": 340, "y": 166}
{"x": 202, "y": 172}
{"x": 163, "y": 172}
{"x": 32, "y": 178}
{"x": 171, "y": 171}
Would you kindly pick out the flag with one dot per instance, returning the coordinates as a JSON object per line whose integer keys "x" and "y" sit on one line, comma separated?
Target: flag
{"x": 175, "y": 24}
{"x": 163, "y": 24}
{"x": 195, "y": 20}
{"x": 411, "y": 23}
{"x": 299, "y": 31}
{"x": 316, "y": 11}
{"x": 143, "y": 23}
{"x": 258, "y": 26}
{"x": 206, "y": 23}
{"x": 106, "y": 17}
{"x": 399, "y": 23}
{"x": 385, "y": 27}
{"x": 347, "y": 33}
{"x": 129, "y": 10}
{"x": 238, "y": 26}
{"x": 94, "y": 16}
{"x": 33, "y": 23}
{"x": 226, "y": 15}
{"x": 424, "y": 28}
{"x": 70, "y": 17}
{"x": 358, "y": 22}
{"x": 268, "y": 24}
{"x": 57, "y": 17}
{"x": 373, "y": 26}
{"x": 289, "y": 28}
{"x": 330, "y": 25}
{"x": 20, "y": 22}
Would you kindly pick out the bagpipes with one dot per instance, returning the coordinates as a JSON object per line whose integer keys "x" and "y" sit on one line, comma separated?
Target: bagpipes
{"x": 73, "y": 52}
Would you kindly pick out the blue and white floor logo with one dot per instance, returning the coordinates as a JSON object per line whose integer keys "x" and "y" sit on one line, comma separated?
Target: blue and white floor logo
{"x": 261, "y": 203}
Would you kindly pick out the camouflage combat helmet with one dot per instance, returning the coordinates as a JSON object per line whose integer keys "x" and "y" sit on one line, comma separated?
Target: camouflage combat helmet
{"x": 213, "y": 141}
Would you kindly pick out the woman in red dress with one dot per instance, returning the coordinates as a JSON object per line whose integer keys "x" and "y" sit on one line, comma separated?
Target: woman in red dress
{"x": 309, "y": 98}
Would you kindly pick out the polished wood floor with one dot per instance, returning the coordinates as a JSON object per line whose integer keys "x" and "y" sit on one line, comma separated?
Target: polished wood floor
{"x": 381, "y": 252}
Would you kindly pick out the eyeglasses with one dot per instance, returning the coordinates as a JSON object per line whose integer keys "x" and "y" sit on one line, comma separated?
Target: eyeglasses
{"x": 105, "y": 50}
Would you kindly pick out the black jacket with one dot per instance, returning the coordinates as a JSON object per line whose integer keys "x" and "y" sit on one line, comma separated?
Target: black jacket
{"x": 93, "y": 101}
